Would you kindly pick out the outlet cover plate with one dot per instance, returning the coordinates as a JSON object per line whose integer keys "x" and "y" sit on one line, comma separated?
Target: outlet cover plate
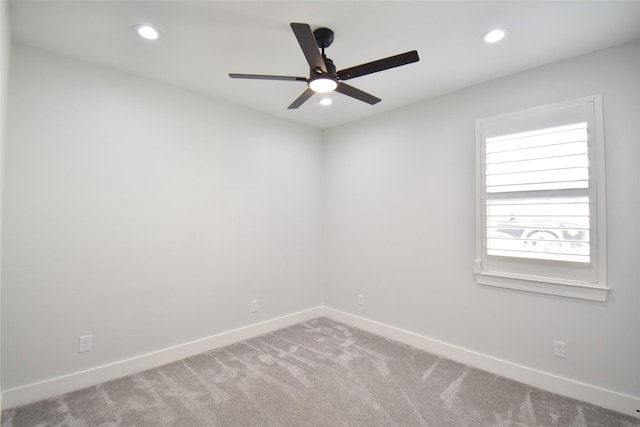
{"x": 559, "y": 349}
{"x": 85, "y": 343}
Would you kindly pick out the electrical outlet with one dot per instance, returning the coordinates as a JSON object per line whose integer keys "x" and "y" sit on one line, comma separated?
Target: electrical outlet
{"x": 360, "y": 299}
{"x": 84, "y": 343}
{"x": 254, "y": 305}
{"x": 558, "y": 349}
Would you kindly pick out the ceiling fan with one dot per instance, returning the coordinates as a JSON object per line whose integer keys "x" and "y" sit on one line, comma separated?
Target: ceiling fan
{"x": 323, "y": 76}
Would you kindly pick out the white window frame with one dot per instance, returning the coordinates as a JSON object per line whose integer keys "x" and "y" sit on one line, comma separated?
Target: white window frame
{"x": 538, "y": 275}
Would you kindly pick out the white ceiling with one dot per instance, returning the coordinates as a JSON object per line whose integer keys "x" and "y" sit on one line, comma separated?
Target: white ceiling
{"x": 202, "y": 41}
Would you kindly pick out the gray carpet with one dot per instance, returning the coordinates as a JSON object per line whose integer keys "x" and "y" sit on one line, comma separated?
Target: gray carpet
{"x": 318, "y": 373}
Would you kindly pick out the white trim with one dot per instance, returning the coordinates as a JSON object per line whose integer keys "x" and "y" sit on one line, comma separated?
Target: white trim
{"x": 601, "y": 186}
{"x": 543, "y": 285}
{"x": 585, "y": 392}
{"x": 55, "y": 386}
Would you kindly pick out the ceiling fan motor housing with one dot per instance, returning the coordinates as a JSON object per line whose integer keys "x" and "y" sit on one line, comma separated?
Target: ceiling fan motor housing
{"x": 331, "y": 70}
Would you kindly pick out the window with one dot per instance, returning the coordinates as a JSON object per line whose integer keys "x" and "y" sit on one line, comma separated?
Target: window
{"x": 540, "y": 200}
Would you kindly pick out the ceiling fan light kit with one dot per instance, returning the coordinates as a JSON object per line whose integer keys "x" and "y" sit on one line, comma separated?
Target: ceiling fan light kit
{"x": 322, "y": 84}
{"x": 323, "y": 77}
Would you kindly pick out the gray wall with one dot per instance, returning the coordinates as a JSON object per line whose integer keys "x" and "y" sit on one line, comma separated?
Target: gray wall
{"x": 400, "y": 201}
{"x": 149, "y": 216}
{"x": 5, "y": 48}
{"x": 145, "y": 215}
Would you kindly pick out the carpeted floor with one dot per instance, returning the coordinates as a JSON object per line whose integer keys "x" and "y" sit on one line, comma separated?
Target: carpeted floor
{"x": 318, "y": 373}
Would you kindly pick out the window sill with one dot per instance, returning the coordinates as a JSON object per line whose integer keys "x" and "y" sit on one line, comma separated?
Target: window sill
{"x": 542, "y": 285}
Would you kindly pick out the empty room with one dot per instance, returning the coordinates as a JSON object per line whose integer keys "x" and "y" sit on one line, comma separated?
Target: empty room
{"x": 320, "y": 213}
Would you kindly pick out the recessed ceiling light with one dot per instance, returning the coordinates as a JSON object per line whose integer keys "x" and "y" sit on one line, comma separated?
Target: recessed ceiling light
{"x": 147, "y": 32}
{"x": 494, "y": 36}
{"x": 326, "y": 101}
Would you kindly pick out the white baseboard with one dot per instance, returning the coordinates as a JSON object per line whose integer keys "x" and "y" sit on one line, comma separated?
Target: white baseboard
{"x": 55, "y": 386}
{"x": 587, "y": 393}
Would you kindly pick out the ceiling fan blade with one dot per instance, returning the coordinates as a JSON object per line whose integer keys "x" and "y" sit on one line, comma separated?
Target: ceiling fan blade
{"x": 351, "y": 91}
{"x": 379, "y": 65}
{"x": 266, "y": 77}
{"x": 309, "y": 46}
{"x": 301, "y": 99}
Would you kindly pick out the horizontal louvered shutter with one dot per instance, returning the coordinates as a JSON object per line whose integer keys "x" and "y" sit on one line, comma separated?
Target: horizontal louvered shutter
{"x": 549, "y": 228}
